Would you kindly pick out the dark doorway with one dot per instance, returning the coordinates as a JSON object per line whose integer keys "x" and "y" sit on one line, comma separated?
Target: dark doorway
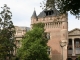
{"x": 70, "y": 42}
{"x": 76, "y": 58}
{"x": 69, "y": 58}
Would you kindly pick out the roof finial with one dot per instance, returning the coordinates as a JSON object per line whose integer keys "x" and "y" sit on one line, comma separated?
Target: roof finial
{"x": 34, "y": 14}
{"x": 34, "y": 8}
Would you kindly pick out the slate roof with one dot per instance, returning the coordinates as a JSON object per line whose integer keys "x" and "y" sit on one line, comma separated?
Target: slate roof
{"x": 43, "y": 14}
{"x": 34, "y": 14}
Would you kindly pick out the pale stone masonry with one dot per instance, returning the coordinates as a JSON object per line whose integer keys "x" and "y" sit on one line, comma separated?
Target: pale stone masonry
{"x": 19, "y": 34}
{"x": 73, "y": 49}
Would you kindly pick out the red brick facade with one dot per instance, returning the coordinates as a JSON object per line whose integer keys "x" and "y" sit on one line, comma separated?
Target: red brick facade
{"x": 57, "y": 26}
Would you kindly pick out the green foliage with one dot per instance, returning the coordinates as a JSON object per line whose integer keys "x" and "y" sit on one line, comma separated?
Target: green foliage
{"x": 6, "y": 33}
{"x": 49, "y": 3}
{"x": 34, "y": 45}
{"x": 78, "y": 57}
{"x": 39, "y": 25}
{"x": 69, "y": 5}
{"x": 66, "y": 5}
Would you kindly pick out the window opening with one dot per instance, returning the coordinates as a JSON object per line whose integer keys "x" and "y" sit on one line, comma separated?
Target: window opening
{"x": 49, "y": 50}
{"x": 77, "y": 42}
{"x": 49, "y": 12}
{"x": 48, "y": 36}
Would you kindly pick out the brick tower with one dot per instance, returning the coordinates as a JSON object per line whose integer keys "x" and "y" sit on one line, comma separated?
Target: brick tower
{"x": 56, "y": 26}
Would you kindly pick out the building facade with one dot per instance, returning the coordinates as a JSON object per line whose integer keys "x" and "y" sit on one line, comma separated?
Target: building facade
{"x": 63, "y": 44}
{"x": 19, "y": 34}
{"x": 56, "y": 26}
{"x": 57, "y": 51}
{"x": 73, "y": 44}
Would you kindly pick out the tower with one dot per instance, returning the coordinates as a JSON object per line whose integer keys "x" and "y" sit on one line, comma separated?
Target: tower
{"x": 64, "y": 36}
{"x": 56, "y": 25}
{"x": 33, "y": 17}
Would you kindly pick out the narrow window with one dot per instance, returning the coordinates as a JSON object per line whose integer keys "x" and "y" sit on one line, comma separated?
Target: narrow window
{"x": 49, "y": 50}
{"x": 18, "y": 43}
{"x": 70, "y": 42}
{"x": 36, "y": 19}
{"x": 70, "y": 50}
{"x": 77, "y": 42}
{"x": 77, "y": 50}
{"x": 48, "y": 36}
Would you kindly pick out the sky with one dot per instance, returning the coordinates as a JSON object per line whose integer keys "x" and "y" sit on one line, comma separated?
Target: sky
{"x": 22, "y": 11}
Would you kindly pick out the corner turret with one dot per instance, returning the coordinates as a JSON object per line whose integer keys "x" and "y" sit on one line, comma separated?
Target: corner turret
{"x": 34, "y": 15}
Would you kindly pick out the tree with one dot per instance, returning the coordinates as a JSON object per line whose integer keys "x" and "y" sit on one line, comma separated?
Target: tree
{"x": 34, "y": 44}
{"x": 78, "y": 57}
{"x": 66, "y": 5}
{"x": 6, "y": 33}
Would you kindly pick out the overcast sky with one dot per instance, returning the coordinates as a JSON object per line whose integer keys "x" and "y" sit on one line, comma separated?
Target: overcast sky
{"x": 23, "y": 9}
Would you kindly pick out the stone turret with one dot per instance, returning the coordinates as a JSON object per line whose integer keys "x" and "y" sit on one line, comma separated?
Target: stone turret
{"x": 33, "y": 17}
{"x": 64, "y": 30}
{"x": 64, "y": 35}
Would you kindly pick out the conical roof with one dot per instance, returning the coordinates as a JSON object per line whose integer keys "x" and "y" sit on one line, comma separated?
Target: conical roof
{"x": 34, "y": 15}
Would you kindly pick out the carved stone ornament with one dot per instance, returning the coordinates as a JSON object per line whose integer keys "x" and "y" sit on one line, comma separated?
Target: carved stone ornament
{"x": 75, "y": 32}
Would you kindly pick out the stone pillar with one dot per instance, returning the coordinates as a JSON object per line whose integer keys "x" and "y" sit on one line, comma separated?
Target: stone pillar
{"x": 73, "y": 52}
{"x": 63, "y": 44}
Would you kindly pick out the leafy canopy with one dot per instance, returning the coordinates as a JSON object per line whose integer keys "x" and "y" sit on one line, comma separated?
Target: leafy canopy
{"x": 73, "y": 6}
{"x": 6, "y": 33}
{"x": 34, "y": 44}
